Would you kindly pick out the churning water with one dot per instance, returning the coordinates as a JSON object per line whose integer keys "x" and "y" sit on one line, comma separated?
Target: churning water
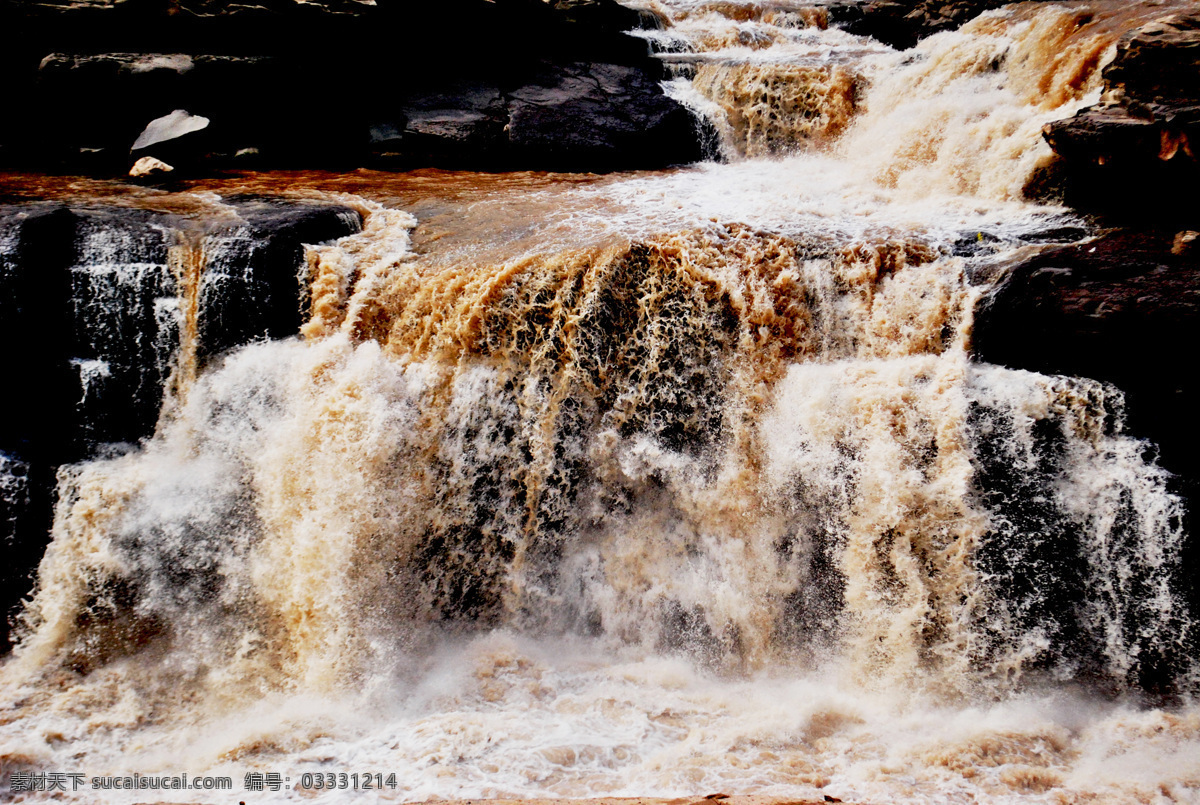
{"x": 657, "y": 484}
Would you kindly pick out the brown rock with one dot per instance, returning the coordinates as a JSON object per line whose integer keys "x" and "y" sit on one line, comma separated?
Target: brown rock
{"x": 1135, "y": 154}
{"x": 1185, "y": 243}
{"x": 148, "y": 166}
{"x": 1159, "y": 62}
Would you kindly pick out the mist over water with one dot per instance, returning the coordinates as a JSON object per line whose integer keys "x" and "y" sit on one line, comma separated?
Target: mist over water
{"x": 664, "y": 484}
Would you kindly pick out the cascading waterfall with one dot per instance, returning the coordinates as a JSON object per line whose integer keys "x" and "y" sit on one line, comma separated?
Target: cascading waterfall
{"x": 127, "y": 317}
{"x": 14, "y": 490}
{"x": 708, "y": 496}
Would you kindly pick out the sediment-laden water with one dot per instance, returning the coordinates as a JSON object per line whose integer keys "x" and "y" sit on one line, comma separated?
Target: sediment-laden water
{"x": 654, "y": 484}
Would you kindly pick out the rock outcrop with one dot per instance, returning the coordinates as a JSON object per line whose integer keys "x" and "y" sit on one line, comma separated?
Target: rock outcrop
{"x": 903, "y": 23}
{"x": 580, "y": 116}
{"x": 1122, "y": 308}
{"x": 1136, "y": 155}
{"x": 1117, "y": 308}
{"x": 483, "y": 84}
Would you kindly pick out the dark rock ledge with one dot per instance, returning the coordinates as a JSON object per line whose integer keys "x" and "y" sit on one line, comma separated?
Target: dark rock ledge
{"x": 903, "y": 23}
{"x": 1124, "y": 307}
{"x": 478, "y": 84}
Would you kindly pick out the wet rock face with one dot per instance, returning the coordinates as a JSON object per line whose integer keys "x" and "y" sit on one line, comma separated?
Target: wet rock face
{"x": 903, "y": 23}
{"x": 98, "y": 296}
{"x": 94, "y": 303}
{"x": 1120, "y": 308}
{"x": 581, "y": 116}
{"x": 1136, "y": 155}
{"x": 254, "y": 283}
{"x": 1159, "y": 62}
{"x": 36, "y": 251}
{"x": 91, "y": 76}
{"x": 1123, "y": 308}
{"x": 596, "y": 114}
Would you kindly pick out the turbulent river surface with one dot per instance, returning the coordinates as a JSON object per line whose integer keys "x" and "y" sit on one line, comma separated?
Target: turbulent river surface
{"x": 648, "y": 484}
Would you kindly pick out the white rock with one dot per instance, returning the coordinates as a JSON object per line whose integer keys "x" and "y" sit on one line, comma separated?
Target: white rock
{"x": 148, "y": 165}
{"x": 168, "y": 127}
{"x": 176, "y": 62}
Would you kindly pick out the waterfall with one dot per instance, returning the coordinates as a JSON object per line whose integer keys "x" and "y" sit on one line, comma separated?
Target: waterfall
{"x": 649, "y": 484}
{"x": 127, "y": 319}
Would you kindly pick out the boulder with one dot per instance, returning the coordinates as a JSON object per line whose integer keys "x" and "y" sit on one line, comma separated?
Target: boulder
{"x": 178, "y": 137}
{"x": 1136, "y": 155}
{"x": 1159, "y": 62}
{"x": 903, "y": 23}
{"x": 598, "y": 117}
{"x": 149, "y": 166}
{"x": 169, "y": 127}
{"x": 580, "y": 116}
{"x": 460, "y": 124}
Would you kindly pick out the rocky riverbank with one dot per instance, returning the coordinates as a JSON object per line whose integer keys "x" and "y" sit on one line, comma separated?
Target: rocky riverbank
{"x": 342, "y": 84}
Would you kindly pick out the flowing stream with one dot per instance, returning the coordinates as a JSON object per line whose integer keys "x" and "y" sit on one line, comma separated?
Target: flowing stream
{"x": 650, "y": 484}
